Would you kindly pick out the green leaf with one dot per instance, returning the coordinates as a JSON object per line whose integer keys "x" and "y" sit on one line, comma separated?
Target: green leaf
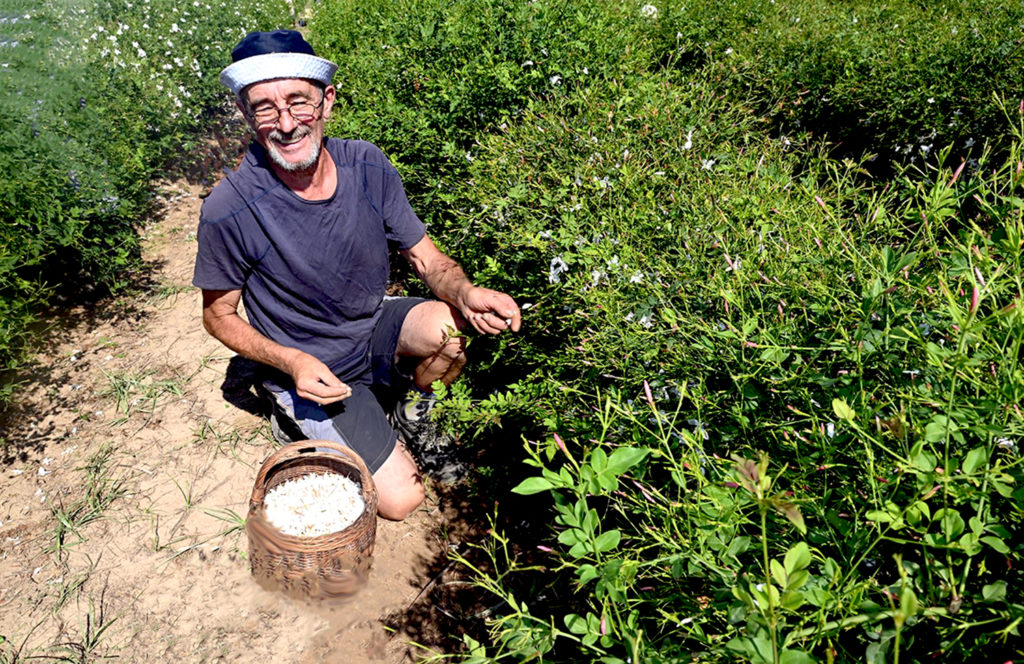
{"x": 797, "y": 558}
{"x": 974, "y": 460}
{"x": 586, "y": 573}
{"x": 951, "y": 523}
{"x": 778, "y": 573}
{"x": 795, "y": 657}
{"x": 994, "y": 592}
{"x": 576, "y": 624}
{"x": 625, "y": 458}
{"x": 996, "y": 543}
{"x": 843, "y": 410}
{"x": 937, "y": 429}
{"x": 532, "y": 485}
{"x": 570, "y": 537}
{"x": 791, "y": 601}
{"x": 908, "y": 602}
{"x": 607, "y": 540}
{"x": 579, "y": 550}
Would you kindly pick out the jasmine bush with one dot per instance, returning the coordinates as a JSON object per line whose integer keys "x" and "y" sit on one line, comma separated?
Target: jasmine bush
{"x": 896, "y": 80}
{"x": 774, "y": 396}
{"x": 102, "y": 95}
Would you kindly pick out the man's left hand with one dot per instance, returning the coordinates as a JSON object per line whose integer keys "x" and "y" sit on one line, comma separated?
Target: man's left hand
{"x": 489, "y": 311}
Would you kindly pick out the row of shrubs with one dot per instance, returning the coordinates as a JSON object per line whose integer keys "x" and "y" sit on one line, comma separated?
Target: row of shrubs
{"x": 103, "y": 96}
{"x": 771, "y": 388}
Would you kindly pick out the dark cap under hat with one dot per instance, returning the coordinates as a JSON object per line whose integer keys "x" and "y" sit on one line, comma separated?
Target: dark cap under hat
{"x": 265, "y": 56}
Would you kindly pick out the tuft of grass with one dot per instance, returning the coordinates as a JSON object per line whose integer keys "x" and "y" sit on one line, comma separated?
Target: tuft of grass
{"x": 101, "y": 489}
{"x": 90, "y": 646}
{"x": 140, "y": 391}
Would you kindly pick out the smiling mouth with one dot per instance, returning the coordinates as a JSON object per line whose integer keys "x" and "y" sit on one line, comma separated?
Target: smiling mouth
{"x": 286, "y": 140}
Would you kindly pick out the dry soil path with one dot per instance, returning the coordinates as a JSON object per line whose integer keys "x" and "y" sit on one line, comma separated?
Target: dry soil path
{"x": 126, "y": 468}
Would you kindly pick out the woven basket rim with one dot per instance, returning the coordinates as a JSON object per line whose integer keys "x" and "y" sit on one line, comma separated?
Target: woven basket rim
{"x": 306, "y": 450}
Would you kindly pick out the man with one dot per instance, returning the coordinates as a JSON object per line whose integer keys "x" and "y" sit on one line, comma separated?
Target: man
{"x": 301, "y": 232}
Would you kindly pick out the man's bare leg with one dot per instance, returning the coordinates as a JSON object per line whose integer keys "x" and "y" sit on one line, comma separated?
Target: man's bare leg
{"x": 427, "y": 334}
{"x": 399, "y": 488}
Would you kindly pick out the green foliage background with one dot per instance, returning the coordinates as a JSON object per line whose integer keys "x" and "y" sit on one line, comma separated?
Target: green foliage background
{"x": 99, "y": 97}
{"x": 770, "y": 260}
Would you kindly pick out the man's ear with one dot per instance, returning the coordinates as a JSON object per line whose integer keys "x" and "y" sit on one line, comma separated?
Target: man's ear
{"x": 329, "y": 95}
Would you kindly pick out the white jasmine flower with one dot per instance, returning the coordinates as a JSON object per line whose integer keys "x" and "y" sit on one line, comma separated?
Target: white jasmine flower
{"x": 689, "y": 140}
{"x": 558, "y": 266}
{"x": 649, "y": 11}
{"x": 555, "y": 80}
{"x": 706, "y": 164}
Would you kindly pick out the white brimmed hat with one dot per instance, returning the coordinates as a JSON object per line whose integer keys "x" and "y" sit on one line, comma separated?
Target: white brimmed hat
{"x": 265, "y": 56}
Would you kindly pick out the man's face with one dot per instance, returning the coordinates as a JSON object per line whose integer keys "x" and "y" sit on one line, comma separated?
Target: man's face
{"x": 293, "y": 145}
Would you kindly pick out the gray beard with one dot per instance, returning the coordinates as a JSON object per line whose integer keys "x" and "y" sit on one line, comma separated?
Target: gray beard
{"x": 292, "y": 167}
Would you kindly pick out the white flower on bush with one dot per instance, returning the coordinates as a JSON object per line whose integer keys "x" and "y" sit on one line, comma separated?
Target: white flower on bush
{"x": 558, "y": 266}
{"x": 706, "y": 164}
{"x": 698, "y": 428}
{"x": 689, "y": 140}
{"x": 649, "y": 11}
{"x": 555, "y": 80}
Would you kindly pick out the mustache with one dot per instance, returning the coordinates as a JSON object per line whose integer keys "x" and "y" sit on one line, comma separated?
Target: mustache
{"x": 298, "y": 132}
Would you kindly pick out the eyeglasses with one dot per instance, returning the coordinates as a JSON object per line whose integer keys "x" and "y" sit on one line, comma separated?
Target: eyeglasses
{"x": 301, "y": 112}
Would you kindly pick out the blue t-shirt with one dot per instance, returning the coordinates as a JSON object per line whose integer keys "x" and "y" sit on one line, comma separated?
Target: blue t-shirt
{"x": 312, "y": 273}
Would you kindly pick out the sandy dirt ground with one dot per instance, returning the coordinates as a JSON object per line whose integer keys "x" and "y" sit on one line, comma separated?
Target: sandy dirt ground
{"x": 125, "y": 475}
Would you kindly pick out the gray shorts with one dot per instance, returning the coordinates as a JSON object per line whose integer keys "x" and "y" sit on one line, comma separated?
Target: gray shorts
{"x": 358, "y": 422}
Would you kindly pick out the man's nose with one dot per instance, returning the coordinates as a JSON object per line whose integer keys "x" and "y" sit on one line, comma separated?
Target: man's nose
{"x": 285, "y": 121}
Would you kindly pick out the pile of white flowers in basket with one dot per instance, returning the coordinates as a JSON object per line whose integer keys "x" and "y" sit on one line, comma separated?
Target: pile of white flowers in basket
{"x": 314, "y": 505}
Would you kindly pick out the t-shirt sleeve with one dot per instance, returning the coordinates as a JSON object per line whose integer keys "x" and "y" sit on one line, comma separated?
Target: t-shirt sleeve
{"x": 384, "y": 187}
{"x": 221, "y": 262}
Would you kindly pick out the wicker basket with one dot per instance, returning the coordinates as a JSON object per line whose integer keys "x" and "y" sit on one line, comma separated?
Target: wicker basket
{"x": 323, "y": 567}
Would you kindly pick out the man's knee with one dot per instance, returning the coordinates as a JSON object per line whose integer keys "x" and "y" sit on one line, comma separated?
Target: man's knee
{"x": 399, "y": 504}
{"x": 399, "y": 488}
{"x": 429, "y": 329}
{"x": 454, "y": 350}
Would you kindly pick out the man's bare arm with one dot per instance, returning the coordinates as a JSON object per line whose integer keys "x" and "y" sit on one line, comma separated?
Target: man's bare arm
{"x": 489, "y": 311}
{"x": 313, "y": 380}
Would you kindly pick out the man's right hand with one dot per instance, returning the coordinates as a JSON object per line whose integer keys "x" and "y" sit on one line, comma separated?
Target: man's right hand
{"x": 314, "y": 381}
